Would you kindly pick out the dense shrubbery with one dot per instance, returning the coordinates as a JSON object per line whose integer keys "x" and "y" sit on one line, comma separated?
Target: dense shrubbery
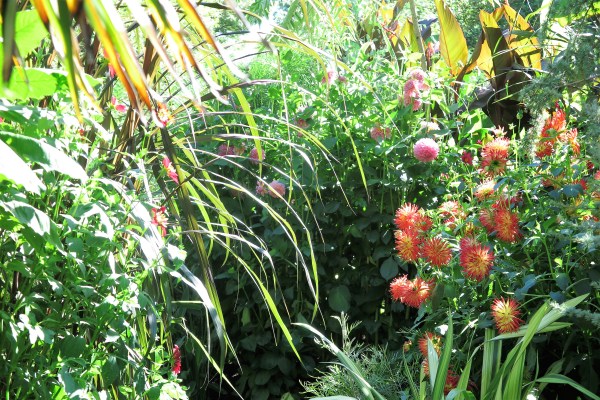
{"x": 367, "y": 195}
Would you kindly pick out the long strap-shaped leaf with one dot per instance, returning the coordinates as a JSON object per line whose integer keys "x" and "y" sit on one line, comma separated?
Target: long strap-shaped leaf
{"x": 192, "y": 224}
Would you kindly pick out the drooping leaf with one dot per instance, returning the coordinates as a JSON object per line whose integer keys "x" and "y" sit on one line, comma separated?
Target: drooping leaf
{"x": 502, "y": 55}
{"x": 35, "y": 220}
{"x": 453, "y": 45}
{"x": 16, "y": 170}
{"x": 522, "y": 39}
{"x": 37, "y": 150}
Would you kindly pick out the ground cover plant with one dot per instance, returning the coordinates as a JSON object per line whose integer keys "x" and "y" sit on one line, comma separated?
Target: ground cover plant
{"x": 185, "y": 216}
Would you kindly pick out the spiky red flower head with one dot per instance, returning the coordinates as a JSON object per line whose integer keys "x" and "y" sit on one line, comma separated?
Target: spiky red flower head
{"x": 451, "y": 381}
{"x": 496, "y": 149}
{"x": 475, "y": 259}
{"x": 408, "y": 245}
{"x": 555, "y": 124}
{"x": 485, "y": 190}
{"x": 486, "y": 217}
{"x": 410, "y": 217}
{"x": 436, "y": 251}
{"x": 494, "y": 164}
{"x": 506, "y": 315}
{"x": 506, "y": 224}
{"x": 436, "y": 340}
{"x": 411, "y": 292}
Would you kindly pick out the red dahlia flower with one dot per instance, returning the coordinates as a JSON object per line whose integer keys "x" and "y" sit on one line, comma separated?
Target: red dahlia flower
{"x": 411, "y": 292}
{"x": 436, "y": 340}
{"x": 408, "y": 245}
{"x": 436, "y": 251}
{"x": 506, "y": 315}
{"x": 506, "y": 225}
{"x": 475, "y": 259}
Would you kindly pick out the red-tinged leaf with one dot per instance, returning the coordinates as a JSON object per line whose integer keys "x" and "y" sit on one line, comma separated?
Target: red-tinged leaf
{"x": 453, "y": 45}
{"x": 502, "y": 55}
{"x": 522, "y": 39}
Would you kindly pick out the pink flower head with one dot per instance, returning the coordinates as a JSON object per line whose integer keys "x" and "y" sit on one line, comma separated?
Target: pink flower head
{"x": 176, "y": 360}
{"x": 330, "y": 77}
{"x": 119, "y": 107}
{"x": 426, "y": 150}
{"x": 170, "y": 169}
{"x": 277, "y": 189}
{"x": 261, "y": 188}
{"x": 225, "y": 150}
{"x": 255, "y": 158}
{"x": 160, "y": 219}
{"x": 379, "y": 134}
{"x": 467, "y": 158}
{"x": 163, "y": 115}
{"x": 301, "y": 123}
{"x": 417, "y": 74}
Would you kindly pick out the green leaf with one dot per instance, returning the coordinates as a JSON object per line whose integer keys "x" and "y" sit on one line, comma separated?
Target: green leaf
{"x": 110, "y": 371}
{"x": 35, "y": 220}
{"x": 16, "y": 170}
{"x": 30, "y": 83}
{"x": 36, "y": 150}
{"x": 558, "y": 378}
{"x": 339, "y": 299}
{"x": 444, "y": 362}
{"x": 29, "y": 31}
{"x": 389, "y": 269}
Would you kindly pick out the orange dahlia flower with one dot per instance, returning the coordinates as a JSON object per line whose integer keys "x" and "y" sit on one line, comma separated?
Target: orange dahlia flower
{"x": 475, "y": 259}
{"x": 408, "y": 245}
{"x": 436, "y": 251}
{"x": 506, "y": 315}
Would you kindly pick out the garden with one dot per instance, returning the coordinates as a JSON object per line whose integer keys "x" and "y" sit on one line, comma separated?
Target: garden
{"x": 325, "y": 199}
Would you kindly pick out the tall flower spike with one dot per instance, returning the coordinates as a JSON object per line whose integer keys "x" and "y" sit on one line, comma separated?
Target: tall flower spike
{"x": 506, "y": 315}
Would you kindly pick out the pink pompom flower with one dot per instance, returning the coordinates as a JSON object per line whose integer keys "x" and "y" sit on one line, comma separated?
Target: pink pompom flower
{"x": 255, "y": 158}
{"x": 277, "y": 189}
{"x": 426, "y": 150}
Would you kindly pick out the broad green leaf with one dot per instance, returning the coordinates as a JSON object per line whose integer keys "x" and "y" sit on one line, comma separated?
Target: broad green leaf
{"x": 29, "y": 31}
{"x": 35, "y": 220}
{"x": 502, "y": 57}
{"x": 37, "y": 150}
{"x": 339, "y": 299}
{"x": 453, "y": 45}
{"x": 16, "y": 170}
{"x": 389, "y": 269}
{"x": 30, "y": 83}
